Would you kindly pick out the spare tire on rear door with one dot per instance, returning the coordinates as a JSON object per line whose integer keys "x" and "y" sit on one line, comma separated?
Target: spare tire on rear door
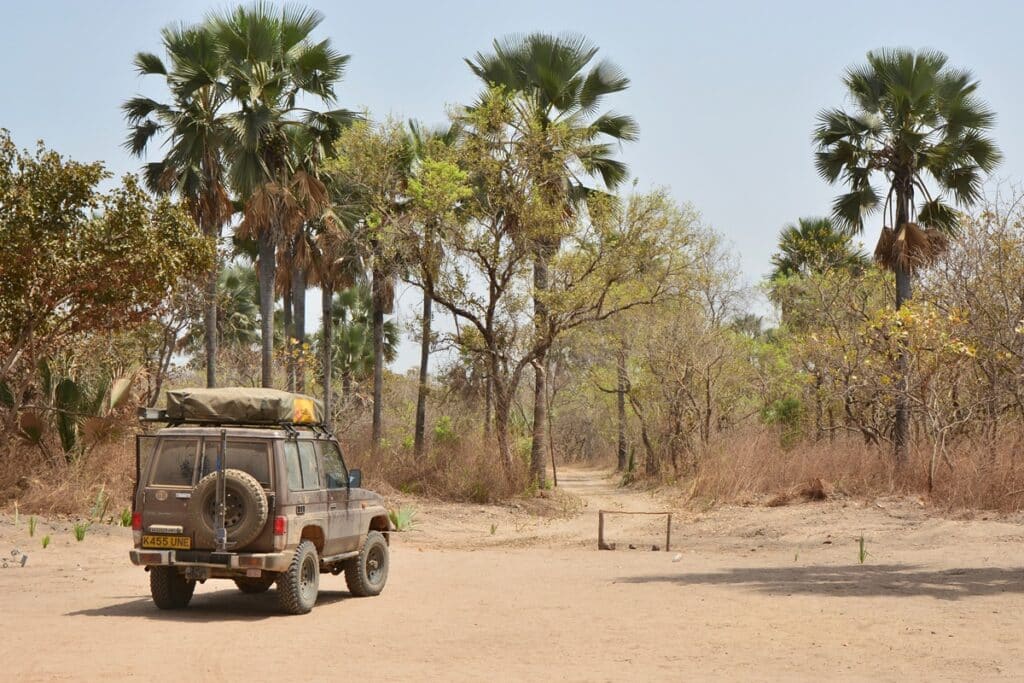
{"x": 245, "y": 512}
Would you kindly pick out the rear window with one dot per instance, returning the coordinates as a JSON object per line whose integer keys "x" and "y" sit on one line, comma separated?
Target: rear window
{"x": 176, "y": 462}
{"x": 249, "y": 456}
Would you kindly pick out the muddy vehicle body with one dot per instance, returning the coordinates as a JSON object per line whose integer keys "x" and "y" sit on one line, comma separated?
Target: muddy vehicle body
{"x": 264, "y": 503}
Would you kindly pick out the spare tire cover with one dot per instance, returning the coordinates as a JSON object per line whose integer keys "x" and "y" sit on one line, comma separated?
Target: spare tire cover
{"x": 246, "y": 509}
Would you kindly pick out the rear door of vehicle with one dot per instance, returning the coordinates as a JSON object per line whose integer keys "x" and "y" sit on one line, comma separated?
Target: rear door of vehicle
{"x": 344, "y": 520}
{"x": 252, "y": 456}
{"x": 166, "y": 489}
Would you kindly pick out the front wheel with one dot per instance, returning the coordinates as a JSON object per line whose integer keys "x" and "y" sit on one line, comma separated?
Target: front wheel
{"x": 298, "y": 586}
{"x": 170, "y": 590}
{"x": 367, "y": 573}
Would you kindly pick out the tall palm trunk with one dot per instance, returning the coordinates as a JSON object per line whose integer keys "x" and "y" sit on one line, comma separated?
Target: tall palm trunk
{"x": 421, "y": 394}
{"x": 540, "y": 389}
{"x": 286, "y": 314}
{"x": 377, "y": 297}
{"x": 266, "y": 282}
{"x": 327, "y": 321}
{"x": 210, "y": 323}
{"x": 901, "y": 428}
{"x": 298, "y": 326}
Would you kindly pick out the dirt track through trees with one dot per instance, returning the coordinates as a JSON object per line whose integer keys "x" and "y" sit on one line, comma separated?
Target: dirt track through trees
{"x": 494, "y": 593}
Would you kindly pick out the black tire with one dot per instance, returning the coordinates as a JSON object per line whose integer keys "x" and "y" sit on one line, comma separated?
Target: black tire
{"x": 367, "y": 573}
{"x": 297, "y": 587}
{"x": 170, "y": 590}
{"x": 246, "y": 513}
{"x": 253, "y": 586}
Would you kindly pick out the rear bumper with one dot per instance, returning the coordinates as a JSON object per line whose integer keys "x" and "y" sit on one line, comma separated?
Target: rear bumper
{"x": 274, "y": 562}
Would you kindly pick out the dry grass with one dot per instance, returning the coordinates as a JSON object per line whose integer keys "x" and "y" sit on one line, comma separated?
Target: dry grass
{"x": 466, "y": 470}
{"x": 51, "y": 486}
{"x": 750, "y": 467}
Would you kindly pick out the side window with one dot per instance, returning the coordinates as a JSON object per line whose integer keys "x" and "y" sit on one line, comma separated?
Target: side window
{"x": 334, "y": 466}
{"x": 300, "y": 461}
{"x": 176, "y": 462}
{"x": 291, "y": 460}
{"x": 307, "y": 460}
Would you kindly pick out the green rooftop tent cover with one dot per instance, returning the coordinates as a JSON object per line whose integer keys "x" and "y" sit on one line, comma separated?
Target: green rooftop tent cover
{"x": 243, "y": 405}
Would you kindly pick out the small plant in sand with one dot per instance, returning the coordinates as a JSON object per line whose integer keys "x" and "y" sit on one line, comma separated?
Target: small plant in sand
{"x": 403, "y": 518}
{"x": 32, "y": 525}
{"x": 79, "y": 530}
{"x": 46, "y": 541}
{"x": 494, "y": 528}
{"x": 862, "y": 553}
{"x": 126, "y": 517}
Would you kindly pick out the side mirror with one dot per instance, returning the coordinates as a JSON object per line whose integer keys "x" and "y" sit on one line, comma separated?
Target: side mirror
{"x": 355, "y": 479}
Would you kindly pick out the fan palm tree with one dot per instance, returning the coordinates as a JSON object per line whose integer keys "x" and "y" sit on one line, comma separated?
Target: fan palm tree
{"x": 193, "y": 128}
{"x": 270, "y": 62}
{"x": 813, "y": 245}
{"x": 918, "y": 125}
{"x": 557, "y": 93}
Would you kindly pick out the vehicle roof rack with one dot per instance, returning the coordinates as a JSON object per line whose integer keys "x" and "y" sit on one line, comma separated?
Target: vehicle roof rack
{"x": 160, "y": 415}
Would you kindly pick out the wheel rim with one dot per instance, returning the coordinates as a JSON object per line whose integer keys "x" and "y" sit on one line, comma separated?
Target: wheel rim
{"x": 308, "y": 578}
{"x": 234, "y": 510}
{"x": 376, "y": 565}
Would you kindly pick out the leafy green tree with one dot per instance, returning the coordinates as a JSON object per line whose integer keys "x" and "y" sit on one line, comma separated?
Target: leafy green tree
{"x": 436, "y": 187}
{"x": 192, "y": 126}
{"x": 370, "y": 172}
{"x": 76, "y": 260}
{"x": 271, "y": 63}
{"x": 557, "y": 94}
{"x": 918, "y": 124}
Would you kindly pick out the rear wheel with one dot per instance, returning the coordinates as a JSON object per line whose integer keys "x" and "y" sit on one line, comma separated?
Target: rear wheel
{"x": 170, "y": 590}
{"x": 367, "y": 573}
{"x": 253, "y": 585}
{"x": 298, "y": 586}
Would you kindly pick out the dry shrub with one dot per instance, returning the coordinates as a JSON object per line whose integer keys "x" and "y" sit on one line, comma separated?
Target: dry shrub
{"x": 750, "y": 466}
{"x": 466, "y": 470}
{"x": 53, "y": 486}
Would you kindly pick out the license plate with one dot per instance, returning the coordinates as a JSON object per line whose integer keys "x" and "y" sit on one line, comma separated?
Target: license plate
{"x": 176, "y": 542}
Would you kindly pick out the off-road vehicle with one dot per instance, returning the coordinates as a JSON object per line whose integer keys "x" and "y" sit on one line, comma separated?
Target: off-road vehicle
{"x": 250, "y": 485}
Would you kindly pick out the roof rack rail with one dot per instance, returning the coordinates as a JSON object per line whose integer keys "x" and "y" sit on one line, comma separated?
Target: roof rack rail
{"x": 160, "y": 415}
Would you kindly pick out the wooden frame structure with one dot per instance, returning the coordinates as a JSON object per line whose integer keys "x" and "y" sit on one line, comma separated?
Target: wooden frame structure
{"x": 601, "y": 545}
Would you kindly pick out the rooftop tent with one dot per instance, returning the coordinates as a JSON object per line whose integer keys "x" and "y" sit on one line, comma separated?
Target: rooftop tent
{"x": 243, "y": 405}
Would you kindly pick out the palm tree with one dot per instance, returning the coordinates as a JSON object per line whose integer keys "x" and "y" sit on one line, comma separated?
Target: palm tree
{"x": 352, "y": 351}
{"x": 918, "y": 124}
{"x": 336, "y": 265}
{"x": 193, "y": 127}
{"x": 270, "y": 62}
{"x": 557, "y": 94}
{"x": 813, "y": 245}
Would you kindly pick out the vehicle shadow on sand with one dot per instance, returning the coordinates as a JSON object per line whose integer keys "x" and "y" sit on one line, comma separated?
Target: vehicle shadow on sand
{"x": 900, "y": 580}
{"x": 222, "y": 606}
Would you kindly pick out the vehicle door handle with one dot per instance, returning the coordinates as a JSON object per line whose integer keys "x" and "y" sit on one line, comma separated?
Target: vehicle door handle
{"x": 333, "y": 506}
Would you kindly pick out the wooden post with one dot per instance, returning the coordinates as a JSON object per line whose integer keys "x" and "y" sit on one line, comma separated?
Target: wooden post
{"x": 668, "y": 532}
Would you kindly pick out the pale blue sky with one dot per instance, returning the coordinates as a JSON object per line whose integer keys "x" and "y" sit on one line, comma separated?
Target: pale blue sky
{"x": 725, "y": 93}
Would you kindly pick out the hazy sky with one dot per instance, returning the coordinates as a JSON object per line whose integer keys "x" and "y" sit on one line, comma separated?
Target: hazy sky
{"x": 725, "y": 93}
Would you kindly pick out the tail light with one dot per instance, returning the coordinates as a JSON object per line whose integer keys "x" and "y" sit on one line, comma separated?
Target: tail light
{"x": 137, "y": 528}
{"x": 280, "y": 532}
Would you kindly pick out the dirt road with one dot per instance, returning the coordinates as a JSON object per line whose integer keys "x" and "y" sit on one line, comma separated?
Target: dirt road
{"x": 487, "y": 593}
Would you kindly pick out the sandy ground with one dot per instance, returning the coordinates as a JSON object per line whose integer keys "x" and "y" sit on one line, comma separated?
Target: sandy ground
{"x": 500, "y": 593}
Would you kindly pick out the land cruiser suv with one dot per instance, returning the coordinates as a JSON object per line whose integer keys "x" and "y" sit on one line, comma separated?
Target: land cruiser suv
{"x": 249, "y": 485}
